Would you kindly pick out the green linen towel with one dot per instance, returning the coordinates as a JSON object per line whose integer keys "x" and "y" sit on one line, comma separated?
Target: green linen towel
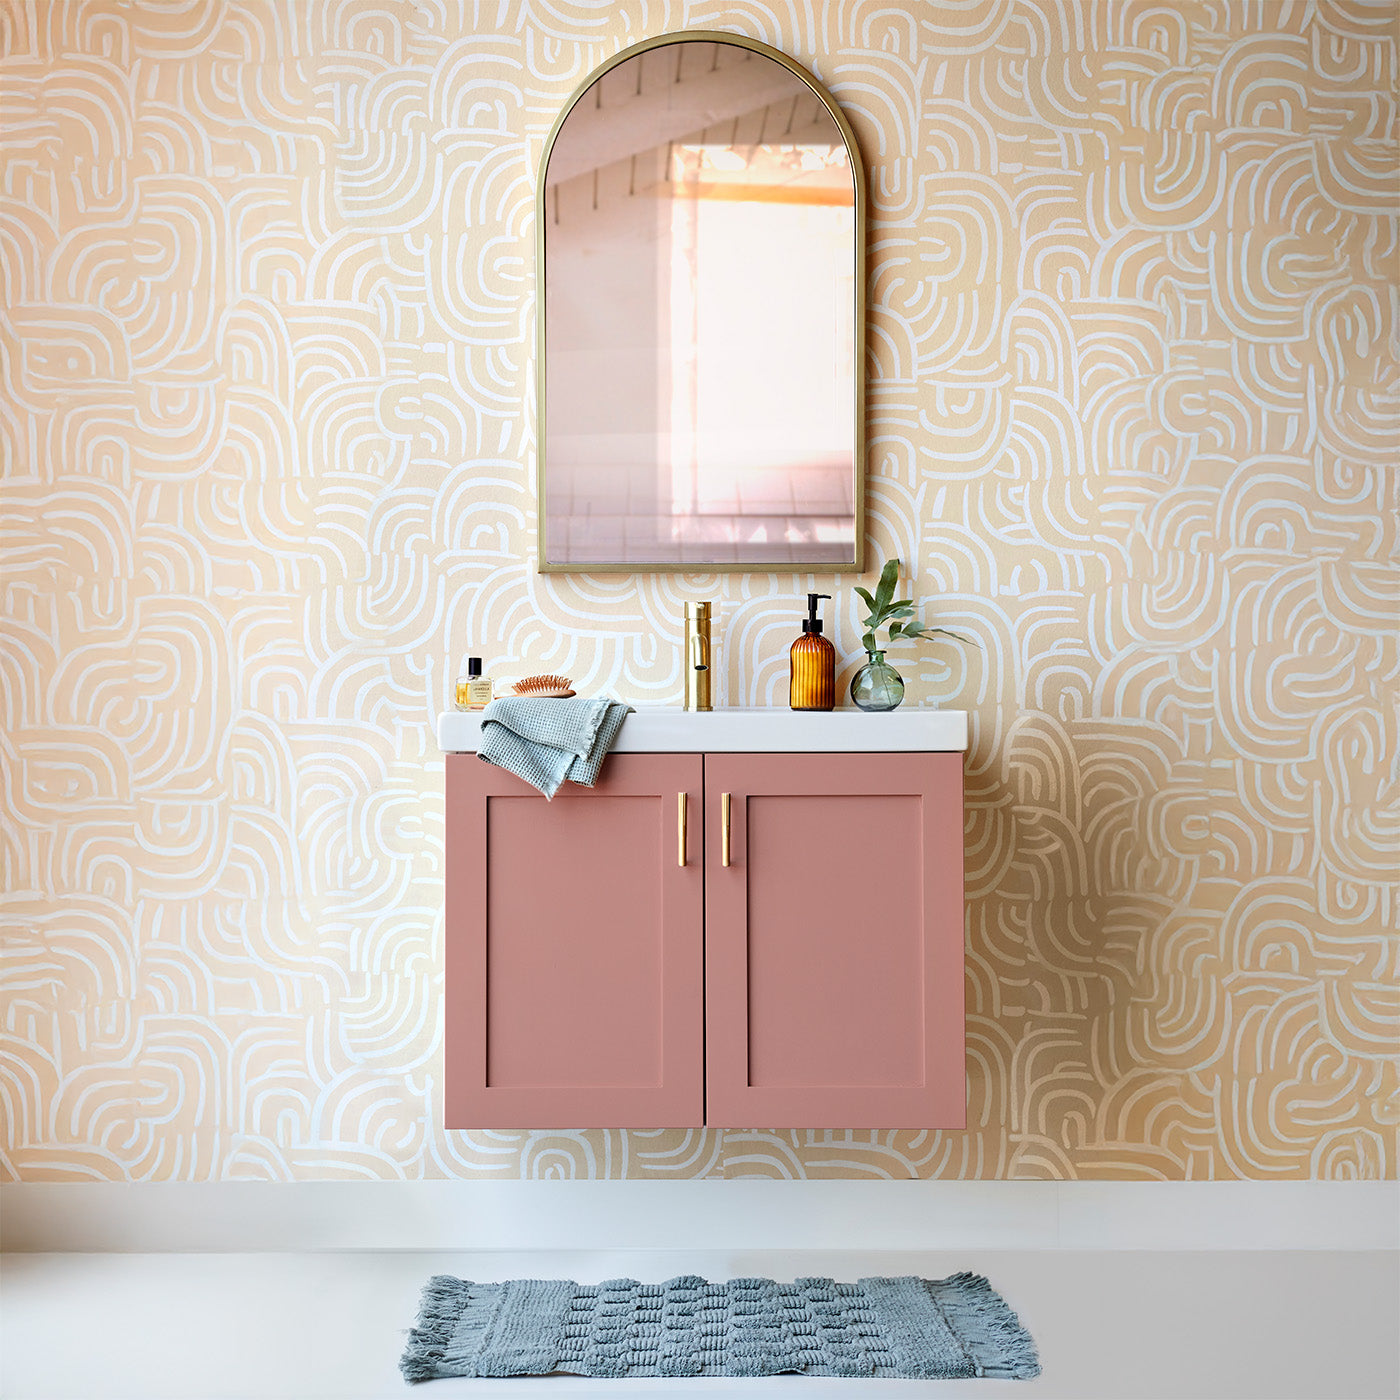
{"x": 546, "y": 741}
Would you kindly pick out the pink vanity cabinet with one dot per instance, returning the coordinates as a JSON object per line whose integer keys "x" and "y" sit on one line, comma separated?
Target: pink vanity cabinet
{"x": 575, "y": 948}
{"x": 615, "y": 958}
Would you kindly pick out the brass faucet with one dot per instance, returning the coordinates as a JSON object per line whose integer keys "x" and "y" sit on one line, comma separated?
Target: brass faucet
{"x": 697, "y": 656}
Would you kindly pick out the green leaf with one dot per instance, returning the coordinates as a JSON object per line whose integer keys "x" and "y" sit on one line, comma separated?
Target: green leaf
{"x": 869, "y": 643}
{"x": 866, "y": 599}
{"x": 956, "y": 636}
{"x": 889, "y": 576}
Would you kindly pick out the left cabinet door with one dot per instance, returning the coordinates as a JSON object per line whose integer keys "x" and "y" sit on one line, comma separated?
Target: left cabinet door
{"x": 575, "y": 960}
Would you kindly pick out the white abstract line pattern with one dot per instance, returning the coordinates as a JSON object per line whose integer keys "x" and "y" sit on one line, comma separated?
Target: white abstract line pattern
{"x": 268, "y": 445}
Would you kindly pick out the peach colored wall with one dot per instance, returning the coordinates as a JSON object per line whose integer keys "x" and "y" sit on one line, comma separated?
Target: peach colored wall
{"x": 267, "y": 438}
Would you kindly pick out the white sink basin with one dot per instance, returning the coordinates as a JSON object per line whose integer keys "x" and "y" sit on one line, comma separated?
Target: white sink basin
{"x": 669, "y": 729}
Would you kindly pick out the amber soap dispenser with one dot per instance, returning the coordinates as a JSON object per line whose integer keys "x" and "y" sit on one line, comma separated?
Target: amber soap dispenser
{"x": 813, "y": 664}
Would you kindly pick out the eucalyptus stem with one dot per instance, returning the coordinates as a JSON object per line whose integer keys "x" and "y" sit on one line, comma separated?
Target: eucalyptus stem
{"x": 897, "y": 614}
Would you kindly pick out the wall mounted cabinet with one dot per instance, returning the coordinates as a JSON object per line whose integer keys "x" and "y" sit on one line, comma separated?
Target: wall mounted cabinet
{"x": 732, "y": 939}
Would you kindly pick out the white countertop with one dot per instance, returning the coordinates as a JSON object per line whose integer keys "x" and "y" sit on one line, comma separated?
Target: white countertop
{"x": 670, "y": 729}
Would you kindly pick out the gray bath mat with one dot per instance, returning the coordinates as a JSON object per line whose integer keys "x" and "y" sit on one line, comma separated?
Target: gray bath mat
{"x": 894, "y": 1327}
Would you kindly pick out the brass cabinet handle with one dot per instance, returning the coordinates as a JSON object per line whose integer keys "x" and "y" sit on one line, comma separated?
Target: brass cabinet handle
{"x": 724, "y": 829}
{"x": 680, "y": 827}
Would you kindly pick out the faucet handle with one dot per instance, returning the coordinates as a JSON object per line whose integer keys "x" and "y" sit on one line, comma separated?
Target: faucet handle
{"x": 697, "y": 622}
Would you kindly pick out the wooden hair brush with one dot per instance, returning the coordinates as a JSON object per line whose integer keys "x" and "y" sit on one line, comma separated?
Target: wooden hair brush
{"x": 545, "y": 687}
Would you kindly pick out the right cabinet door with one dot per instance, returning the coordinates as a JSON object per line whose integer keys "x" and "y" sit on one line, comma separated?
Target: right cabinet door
{"x": 834, "y": 941}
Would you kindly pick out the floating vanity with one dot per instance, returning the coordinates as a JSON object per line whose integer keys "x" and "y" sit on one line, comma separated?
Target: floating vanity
{"x": 754, "y": 920}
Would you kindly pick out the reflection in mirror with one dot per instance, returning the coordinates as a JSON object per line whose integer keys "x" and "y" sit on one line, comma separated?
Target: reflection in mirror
{"x": 699, "y": 392}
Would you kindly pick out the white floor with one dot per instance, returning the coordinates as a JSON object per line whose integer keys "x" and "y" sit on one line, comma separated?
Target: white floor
{"x": 1280, "y": 1325}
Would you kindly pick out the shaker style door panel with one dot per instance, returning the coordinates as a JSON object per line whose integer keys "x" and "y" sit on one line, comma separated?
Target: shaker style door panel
{"x": 574, "y": 948}
{"x": 834, "y": 941}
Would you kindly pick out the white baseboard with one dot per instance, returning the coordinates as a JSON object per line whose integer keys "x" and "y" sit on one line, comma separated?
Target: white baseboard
{"x": 753, "y": 1214}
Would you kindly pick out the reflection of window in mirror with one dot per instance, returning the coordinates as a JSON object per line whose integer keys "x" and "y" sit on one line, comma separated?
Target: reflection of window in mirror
{"x": 701, "y": 318}
{"x": 760, "y": 286}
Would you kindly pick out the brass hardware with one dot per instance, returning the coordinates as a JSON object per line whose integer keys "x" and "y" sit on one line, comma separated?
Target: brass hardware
{"x": 724, "y": 829}
{"x": 680, "y": 828}
{"x": 697, "y": 656}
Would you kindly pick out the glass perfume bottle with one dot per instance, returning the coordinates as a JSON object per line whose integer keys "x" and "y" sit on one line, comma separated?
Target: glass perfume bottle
{"x": 474, "y": 691}
{"x": 813, "y": 664}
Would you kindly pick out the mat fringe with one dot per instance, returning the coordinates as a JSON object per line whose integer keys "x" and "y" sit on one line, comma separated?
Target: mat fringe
{"x": 990, "y": 1332}
{"x": 443, "y": 1300}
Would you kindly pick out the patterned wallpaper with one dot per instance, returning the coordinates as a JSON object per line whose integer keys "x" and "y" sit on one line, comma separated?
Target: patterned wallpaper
{"x": 268, "y": 453}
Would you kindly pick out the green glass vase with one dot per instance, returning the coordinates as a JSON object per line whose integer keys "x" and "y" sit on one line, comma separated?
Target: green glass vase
{"x": 877, "y": 685}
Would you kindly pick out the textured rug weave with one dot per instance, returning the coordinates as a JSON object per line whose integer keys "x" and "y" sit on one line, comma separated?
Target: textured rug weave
{"x": 893, "y": 1327}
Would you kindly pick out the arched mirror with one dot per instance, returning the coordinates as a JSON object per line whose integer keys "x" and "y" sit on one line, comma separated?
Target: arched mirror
{"x": 701, "y": 317}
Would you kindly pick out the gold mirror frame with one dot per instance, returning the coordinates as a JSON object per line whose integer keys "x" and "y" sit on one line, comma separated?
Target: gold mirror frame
{"x": 856, "y": 564}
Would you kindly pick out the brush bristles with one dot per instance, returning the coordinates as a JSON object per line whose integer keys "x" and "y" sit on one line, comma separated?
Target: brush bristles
{"x": 543, "y": 685}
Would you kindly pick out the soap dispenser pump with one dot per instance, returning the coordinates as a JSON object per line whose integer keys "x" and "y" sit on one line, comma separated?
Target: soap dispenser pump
{"x": 813, "y": 664}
